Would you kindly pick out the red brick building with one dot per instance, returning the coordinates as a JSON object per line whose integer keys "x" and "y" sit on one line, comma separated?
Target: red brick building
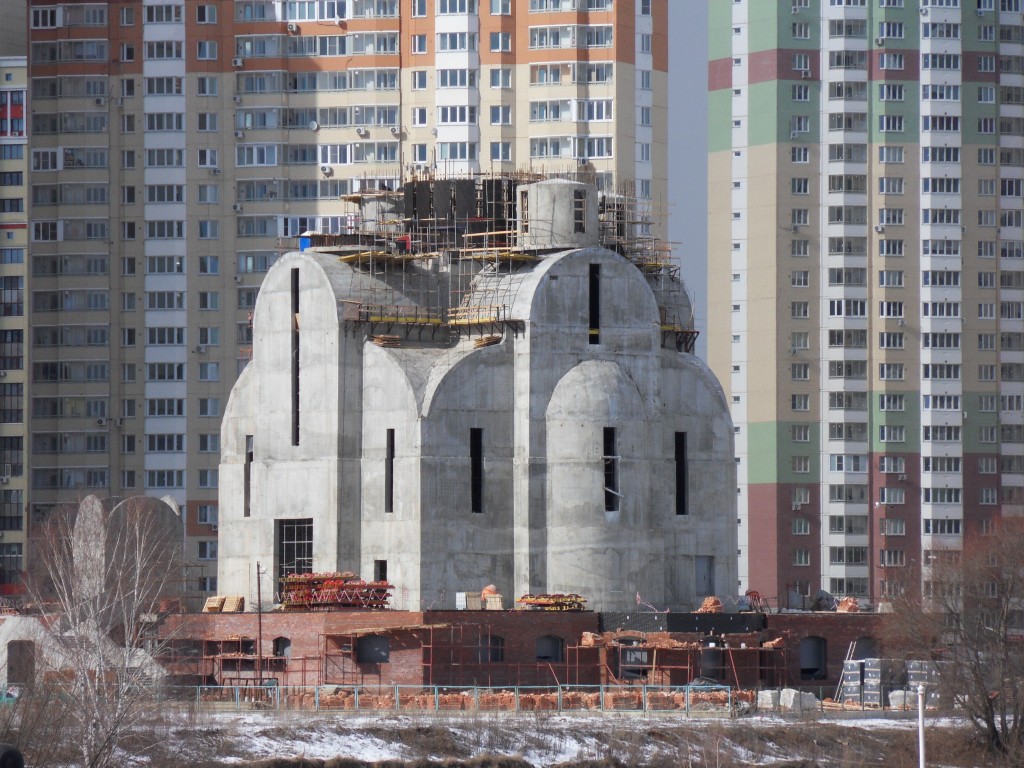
{"x": 515, "y": 648}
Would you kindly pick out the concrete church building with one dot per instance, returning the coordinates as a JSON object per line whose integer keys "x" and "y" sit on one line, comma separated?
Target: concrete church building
{"x": 505, "y": 400}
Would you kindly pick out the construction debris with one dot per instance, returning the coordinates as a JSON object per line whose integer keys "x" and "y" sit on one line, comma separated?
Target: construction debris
{"x": 558, "y": 602}
{"x": 848, "y": 605}
{"x": 711, "y": 605}
{"x": 332, "y": 592}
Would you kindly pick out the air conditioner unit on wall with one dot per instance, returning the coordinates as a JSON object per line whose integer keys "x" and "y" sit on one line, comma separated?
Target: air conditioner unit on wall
{"x": 293, "y": 28}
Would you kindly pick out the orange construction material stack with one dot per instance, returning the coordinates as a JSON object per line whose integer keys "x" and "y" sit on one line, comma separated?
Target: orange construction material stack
{"x": 711, "y": 605}
{"x": 848, "y": 605}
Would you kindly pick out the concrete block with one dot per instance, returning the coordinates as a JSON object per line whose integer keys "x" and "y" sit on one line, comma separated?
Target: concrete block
{"x": 767, "y": 700}
{"x": 903, "y": 699}
{"x": 797, "y": 701}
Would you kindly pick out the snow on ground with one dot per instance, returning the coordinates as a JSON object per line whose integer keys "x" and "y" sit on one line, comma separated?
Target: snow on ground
{"x": 541, "y": 740}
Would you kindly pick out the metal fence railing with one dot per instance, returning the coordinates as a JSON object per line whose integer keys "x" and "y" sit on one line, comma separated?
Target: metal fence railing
{"x": 706, "y": 700}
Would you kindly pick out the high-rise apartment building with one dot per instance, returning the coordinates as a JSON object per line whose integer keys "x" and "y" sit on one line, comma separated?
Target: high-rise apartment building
{"x": 177, "y": 148}
{"x": 866, "y": 282}
{"x": 13, "y": 320}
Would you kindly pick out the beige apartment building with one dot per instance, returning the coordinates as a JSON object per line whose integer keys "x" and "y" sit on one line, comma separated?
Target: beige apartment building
{"x": 13, "y": 319}
{"x": 178, "y": 148}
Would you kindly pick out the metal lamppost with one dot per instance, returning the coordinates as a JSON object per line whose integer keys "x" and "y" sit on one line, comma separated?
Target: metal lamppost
{"x": 920, "y": 725}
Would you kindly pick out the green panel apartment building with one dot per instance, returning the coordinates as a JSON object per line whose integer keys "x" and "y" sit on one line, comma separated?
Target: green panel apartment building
{"x": 866, "y": 282}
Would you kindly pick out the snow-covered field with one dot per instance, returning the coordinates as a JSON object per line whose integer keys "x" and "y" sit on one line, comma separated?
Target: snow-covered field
{"x": 550, "y": 740}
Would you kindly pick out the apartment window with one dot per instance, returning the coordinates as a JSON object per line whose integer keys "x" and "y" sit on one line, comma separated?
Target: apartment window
{"x": 940, "y": 527}
{"x": 419, "y": 79}
{"x": 890, "y": 61}
{"x": 501, "y": 77}
{"x": 800, "y": 309}
{"x": 800, "y": 402}
{"x": 801, "y": 557}
{"x": 206, "y": 14}
{"x": 801, "y": 526}
{"x": 801, "y": 465}
{"x": 209, "y": 406}
{"x": 501, "y": 42}
{"x": 206, "y": 514}
{"x": 207, "y": 158}
{"x": 419, "y": 43}
{"x": 891, "y": 123}
{"x": 801, "y": 433}
{"x": 800, "y": 154}
{"x": 207, "y": 550}
{"x": 501, "y": 151}
{"x": 892, "y": 433}
{"x": 501, "y": 114}
{"x": 206, "y": 50}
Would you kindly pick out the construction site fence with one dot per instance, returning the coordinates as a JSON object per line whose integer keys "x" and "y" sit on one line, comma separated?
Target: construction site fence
{"x": 709, "y": 700}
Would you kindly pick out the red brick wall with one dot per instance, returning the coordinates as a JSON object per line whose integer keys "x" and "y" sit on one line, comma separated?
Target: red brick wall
{"x": 442, "y": 648}
{"x": 437, "y": 648}
{"x": 838, "y": 629}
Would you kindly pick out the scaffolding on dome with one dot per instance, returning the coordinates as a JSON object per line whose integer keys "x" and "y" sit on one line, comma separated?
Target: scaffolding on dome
{"x": 441, "y": 255}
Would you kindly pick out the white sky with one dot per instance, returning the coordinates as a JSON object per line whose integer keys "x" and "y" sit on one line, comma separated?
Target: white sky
{"x": 687, "y": 148}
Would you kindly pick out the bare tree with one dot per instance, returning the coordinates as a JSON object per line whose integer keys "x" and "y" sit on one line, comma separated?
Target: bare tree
{"x": 967, "y": 618}
{"x": 104, "y": 574}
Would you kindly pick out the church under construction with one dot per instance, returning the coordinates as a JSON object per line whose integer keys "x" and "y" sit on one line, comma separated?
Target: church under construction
{"x": 489, "y": 380}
